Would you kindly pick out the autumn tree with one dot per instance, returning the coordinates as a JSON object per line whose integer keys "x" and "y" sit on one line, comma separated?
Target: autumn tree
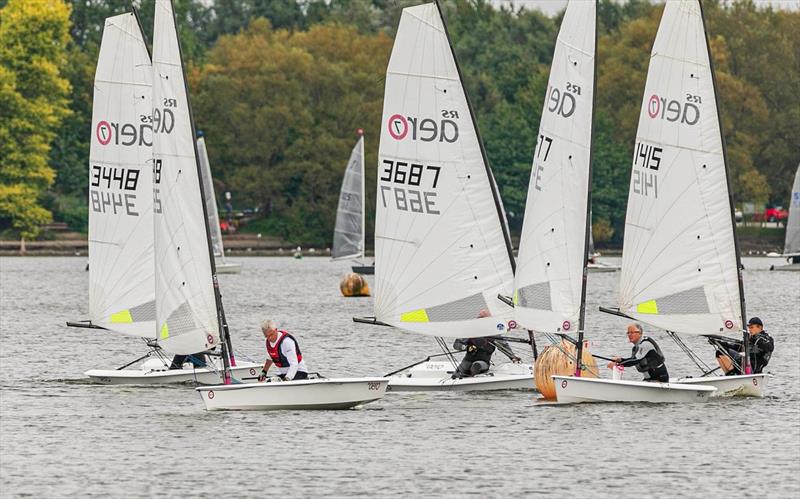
{"x": 33, "y": 103}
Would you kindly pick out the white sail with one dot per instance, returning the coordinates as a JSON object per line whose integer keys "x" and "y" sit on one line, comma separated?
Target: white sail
{"x": 440, "y": 251}
{"x": 186, "y": 310}
{"x": 121, "y": 273}
{"x": 792, "y": 246}
{"x": 210, "y": 199}
{"x": 679, "y": 260}
{"x": 550, "y": 265}
{"x": 348, "y": 235}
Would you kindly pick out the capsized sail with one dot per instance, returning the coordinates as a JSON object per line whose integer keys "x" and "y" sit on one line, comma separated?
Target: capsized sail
{"x": 441, "y": 253}
{"x": 186, "y": 309}
{"x": 121, "y": 268}
{"x": 552, "y": 252}
{"x": 210, "y": 199}
{"x": 348, "y": 235}
{"x": 792, "y": 246}
{"x": 679, "y": 263}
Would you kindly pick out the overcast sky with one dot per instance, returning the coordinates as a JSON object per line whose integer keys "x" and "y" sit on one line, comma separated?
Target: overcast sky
{"x": 551, "y": 7}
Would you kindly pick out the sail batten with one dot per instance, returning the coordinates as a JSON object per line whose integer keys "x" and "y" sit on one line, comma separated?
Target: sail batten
{"x": 679, "y": 263}
{"x": 553, "y": 243}
{"x": 440, "y": 247}
{"x": 121, "y": 272}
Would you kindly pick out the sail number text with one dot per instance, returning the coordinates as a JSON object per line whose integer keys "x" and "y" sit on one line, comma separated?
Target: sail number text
{"x": 410, "y": 175}
{"x": 544, "y": 143}
{"x": 156, "y": 182}
{"x": 645, "y": 179}
{"x": 104, "y": 178}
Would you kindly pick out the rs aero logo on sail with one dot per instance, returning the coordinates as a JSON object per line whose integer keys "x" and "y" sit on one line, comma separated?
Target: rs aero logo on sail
{"x": 673, "y": 110}
{"x": 425, "y": 129}
{"x": 141, "y": 133}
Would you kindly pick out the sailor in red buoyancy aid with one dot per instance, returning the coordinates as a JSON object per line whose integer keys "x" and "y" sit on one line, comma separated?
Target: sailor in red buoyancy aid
{"x": 284, "y": 352}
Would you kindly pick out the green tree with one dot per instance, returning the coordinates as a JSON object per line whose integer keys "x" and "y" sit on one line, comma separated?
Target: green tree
{"x": 33, "y": 102}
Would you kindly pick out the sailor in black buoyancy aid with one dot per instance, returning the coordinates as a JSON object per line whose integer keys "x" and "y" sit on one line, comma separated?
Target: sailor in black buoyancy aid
{"x": 646, "y": 356}
{"x": 730, "y": 352}
{"x": 479, "y": 352}
{"x": 284, "y": 352}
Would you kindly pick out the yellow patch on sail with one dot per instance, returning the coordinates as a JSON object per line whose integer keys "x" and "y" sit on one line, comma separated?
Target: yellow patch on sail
{"x": 648, "y": 307}
{"x": 416, "y": 316}
{"x": 164, "y": 332}
{"x": 123, "y": 317}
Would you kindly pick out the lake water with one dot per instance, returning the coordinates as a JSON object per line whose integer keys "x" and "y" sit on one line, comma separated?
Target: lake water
{"x": 61, "y": 436}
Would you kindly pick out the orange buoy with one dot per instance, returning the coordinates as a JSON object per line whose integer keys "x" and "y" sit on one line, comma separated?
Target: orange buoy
{"x": 553, "y": 360}
{"x": 354, "y": 285}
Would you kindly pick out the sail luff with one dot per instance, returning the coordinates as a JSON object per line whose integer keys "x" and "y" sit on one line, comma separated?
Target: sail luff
{"x": 550, "y": 279}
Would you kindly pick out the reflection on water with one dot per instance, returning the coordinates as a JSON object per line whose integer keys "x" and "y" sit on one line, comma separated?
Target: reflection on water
{"x": 62, "y": 436}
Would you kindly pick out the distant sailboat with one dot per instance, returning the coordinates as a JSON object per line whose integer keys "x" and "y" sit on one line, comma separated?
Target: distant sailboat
{"x": 223, "y": 265}
{"x": 594, "y": 265}
{"x": 348, "y": 235}
{"x": 791, "y": 248}
{"x": 681, "y": 269}
{"x": 442, "y": 249}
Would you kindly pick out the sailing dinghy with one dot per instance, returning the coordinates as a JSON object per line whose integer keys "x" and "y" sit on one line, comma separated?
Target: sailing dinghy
{"x": 223, "y": 265}
{"x": 791, "y": 249}
{"x": 121, "y": 223}
{"x": 442, "y": 249}
{"x": 681, "y": 268}
{"x": 348, "y": 235}
{"x": 594, "y": 265}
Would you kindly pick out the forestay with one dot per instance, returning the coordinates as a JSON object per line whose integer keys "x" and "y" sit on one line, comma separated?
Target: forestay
{"x": 121, "y": 277}
{"x": 552, "y": 253}
{"x": 792, "y": 246}
{"x": 441, "y": 253}
{"x": 210, "y": 199}
{"x": 348, "y": 235}
{"x": 185, "y": 303}
{"x": 679, "y": 264}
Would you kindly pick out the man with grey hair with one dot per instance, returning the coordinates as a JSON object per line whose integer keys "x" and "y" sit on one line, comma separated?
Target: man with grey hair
{"x": 646, "y": 356}
{"x": 284, "y": 352}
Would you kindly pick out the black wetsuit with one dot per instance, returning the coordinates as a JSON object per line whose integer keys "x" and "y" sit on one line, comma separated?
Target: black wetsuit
{"x": 761, "y": 347}
{"x": 476, "y": 360}
{"x": 646, "y": 356}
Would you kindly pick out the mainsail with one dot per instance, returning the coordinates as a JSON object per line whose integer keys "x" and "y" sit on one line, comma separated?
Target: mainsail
{"x": 348, "y": 236}
{"x": 210, "y": 199}
{"x": 121, "y": 272}
{"x": 680, "y": 264}
{"x": 442, "y": 254}
{"x": 186, "y": 308}
{"x": 792, "y": 246}
{"x": 553, "y": 245}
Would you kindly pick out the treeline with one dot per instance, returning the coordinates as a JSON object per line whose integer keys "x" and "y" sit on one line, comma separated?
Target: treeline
{"x": 280, "y": 87}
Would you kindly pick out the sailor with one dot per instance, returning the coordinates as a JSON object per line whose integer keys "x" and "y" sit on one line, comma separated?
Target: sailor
{"x": 730, "y": 354}
{"x": 646, "y": 356}
{"x": 479, "y": 352}
{"x": 284, "y": 352}
{"x": 198, "y": 360}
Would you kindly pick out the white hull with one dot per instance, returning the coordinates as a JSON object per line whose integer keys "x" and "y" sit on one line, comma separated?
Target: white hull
{"x": 794, "y": 267}
{"x": 747, "y": 385}
{"x": 572, "y": 390}
{"x": 436, "y": 376}
{"x": 140, "y": 376}
{"x": 225, "y": 267}
{"x": 324, "y": 393}
{"x": 602, "y": 267}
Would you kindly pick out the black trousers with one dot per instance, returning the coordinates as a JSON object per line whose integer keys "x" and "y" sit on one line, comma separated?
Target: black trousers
{"x": 297, "y": 376}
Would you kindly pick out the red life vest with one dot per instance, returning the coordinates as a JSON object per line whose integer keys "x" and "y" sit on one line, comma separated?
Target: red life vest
{"x": 278, "y": 358}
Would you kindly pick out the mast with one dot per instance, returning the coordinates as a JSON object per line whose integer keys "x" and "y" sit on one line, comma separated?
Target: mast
{"x": 227, "y": 351}
{"x": 492, "y": 183}
{"x": 588, "y": 224}
{"x": 746, "y": 369}
{"x": 363, "y": 200}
